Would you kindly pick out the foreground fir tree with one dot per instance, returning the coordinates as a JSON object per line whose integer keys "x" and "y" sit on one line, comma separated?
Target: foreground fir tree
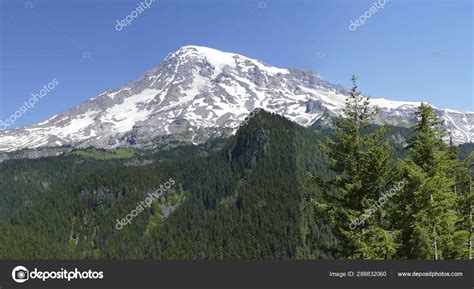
{"x": 426, "y": 214}
{"x": 361, "y": 159}
{"x": 464, "y": 203}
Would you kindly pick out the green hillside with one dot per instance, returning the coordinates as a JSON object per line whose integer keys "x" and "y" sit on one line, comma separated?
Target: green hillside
{"x": 251, "y": 196}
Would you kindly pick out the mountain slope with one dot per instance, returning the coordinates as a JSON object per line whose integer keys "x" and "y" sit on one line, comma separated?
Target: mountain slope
{"x": 198, "y": 93}
{"x": 267, "y": 214}
{"x": 250, "y": 196}
{"x": 247, "y": 200}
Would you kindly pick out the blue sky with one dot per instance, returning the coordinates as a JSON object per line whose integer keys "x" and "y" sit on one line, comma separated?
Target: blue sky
{"x": 416, "y": 50}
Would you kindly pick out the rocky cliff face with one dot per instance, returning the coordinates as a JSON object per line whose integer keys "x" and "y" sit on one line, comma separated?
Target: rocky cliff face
{"x": 34, "y": 153}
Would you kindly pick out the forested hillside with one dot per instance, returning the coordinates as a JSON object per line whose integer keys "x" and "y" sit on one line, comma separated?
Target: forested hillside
{"x": 272, "y": 191}
{"x": 243, "y": 199}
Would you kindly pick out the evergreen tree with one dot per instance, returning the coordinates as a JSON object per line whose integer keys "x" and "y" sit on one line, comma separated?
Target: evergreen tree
{"x": 464, "y": 200}
{"x": 361, "y": 161}
{"x": 427, "y": 216}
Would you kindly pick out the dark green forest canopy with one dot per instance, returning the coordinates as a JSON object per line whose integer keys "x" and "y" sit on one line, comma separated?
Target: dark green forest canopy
{"x": 246, "y": 197}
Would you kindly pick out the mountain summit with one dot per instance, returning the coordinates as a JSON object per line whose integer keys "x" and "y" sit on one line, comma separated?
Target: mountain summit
{"x": 198, "y": 93}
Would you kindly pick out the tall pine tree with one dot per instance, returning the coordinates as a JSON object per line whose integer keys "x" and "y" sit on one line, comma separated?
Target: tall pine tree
{"x": 361, "y": 161}
{"x": 427, "y": 214}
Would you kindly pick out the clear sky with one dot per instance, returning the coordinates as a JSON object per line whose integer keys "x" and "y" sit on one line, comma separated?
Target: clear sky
{"x": 414, "y": 50}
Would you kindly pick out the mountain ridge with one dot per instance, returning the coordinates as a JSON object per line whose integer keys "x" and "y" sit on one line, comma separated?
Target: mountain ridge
{"x": 198, "y": 93}
{"x": 220, "y": 207}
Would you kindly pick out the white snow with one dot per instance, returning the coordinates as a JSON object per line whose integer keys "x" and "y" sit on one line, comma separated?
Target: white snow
{"x": 124, "y": 115}
{"x": 392, "y": 104}
{"x": 77, "y": 125}
{"x": 198, "y": 102}
{"x": 220, "y": 59}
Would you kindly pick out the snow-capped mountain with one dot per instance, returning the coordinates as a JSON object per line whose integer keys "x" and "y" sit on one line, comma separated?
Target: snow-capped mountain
{"x": 197, "y": 93}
